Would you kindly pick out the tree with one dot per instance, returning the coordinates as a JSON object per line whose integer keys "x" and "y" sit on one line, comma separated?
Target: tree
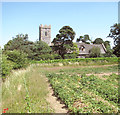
{"x": 115, "y": 34}
{"x": 74, "y": 52}
{"x": 41, "y": 50}
{"x": 109, "y": 51}
{"x": 94, "y": 52}
{"x": 86, "y": 39}
{"x": 79, "y": 39}
{"x": 63, "y": 41}
{"x": 19, "y": 58}
{"x": 21, "y": 43}
{"x": 98, "y": 41}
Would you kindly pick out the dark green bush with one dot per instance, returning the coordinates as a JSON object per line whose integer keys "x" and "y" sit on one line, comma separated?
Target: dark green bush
{"x": 18, "y": 57}
{"x": 44, "y": 57}
{"x": 56, "y": 56}
{"x": 70, "y": 56}
{"x": 7, "y": 66}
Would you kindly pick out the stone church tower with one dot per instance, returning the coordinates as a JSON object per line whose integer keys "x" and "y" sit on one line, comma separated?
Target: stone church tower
{"x": 45, "y": 34}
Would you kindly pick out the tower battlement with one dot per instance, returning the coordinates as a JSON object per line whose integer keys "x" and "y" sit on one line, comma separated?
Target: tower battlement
{"x": 45, "y": 26}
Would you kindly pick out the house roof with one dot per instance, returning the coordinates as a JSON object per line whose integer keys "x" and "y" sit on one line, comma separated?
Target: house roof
{"x": 87, "y": 47}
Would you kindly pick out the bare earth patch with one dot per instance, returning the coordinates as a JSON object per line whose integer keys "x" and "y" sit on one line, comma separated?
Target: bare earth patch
{"x": 63, "y": 67}
{"x": 54, "y": 102}
{"x": 102, "y": 74}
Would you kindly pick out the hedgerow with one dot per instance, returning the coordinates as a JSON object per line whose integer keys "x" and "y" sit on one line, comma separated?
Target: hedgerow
{"x": 86, "y": 60}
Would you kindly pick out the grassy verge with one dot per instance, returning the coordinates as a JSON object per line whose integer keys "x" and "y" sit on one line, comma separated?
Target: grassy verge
{"x": 25, "y": 91}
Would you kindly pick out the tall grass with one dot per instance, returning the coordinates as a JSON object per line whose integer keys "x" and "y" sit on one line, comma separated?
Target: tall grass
{"x": 25, "y": 91}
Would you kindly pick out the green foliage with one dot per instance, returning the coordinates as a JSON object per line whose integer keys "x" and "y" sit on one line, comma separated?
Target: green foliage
{"x": 74, "y": 51}
{"x": 28, "y": 91}
{"x": 83, "y": 61}
{"x": 18, "y": 57}
{"x": 70, "y": 56}
{"x": 98, "y": 41}
{"x": 41, "y": 47}
{"x": 63, "y": 41}
{"x": 41, "y": 51}
{"x": 7, "y": 66}
{"x": 56, "y": 56}
{"x": 86, "y": 39}
{"x": 107, "y": 45}
{"x": 109, "y": 51}
{"x": 20, "y": 42}
{"x": 115, "y": 34}
{"x": 44, "y": 57}
{"x": 94, "y": 52}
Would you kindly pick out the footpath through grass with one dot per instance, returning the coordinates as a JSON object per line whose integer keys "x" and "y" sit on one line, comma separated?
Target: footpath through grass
{"x": 25, "y": 91}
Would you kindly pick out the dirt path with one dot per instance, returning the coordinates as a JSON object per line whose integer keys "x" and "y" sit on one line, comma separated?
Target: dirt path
{"x": 54, "y": 102}
{"x": 102, "y": 74}
{"x": 64, "y": 67}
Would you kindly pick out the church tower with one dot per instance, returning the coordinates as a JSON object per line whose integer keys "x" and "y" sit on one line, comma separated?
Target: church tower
{"x": 45, "y": 34}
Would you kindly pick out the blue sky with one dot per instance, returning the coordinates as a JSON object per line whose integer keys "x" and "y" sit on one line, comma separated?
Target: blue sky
{"x": 92, "y": 18}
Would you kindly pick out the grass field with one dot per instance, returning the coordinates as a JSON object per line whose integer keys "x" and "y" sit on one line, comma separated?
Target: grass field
{"x": 83, "y": 89}
{"x": 25, "y": 91}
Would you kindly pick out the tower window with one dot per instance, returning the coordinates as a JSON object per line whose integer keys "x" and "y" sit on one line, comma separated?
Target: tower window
{"x": 45, "y": 33}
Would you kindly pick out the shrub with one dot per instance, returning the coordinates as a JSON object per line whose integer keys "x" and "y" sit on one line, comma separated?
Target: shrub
{"x": 94, "y": 52}
{"x": 7, "y": 66}
{"x": 70, "y": 56}
{"x": 18, "y": 57}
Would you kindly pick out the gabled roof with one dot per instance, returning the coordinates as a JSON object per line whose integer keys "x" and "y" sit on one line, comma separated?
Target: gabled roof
{"x": 87, "y": 47}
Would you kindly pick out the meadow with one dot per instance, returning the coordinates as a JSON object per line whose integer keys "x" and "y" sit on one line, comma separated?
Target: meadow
{"x": 82, "y": 87}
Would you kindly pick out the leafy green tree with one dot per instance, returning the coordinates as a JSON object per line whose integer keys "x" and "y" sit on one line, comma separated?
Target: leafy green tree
{"x": 86, "y": 39}
{"x": 115, "y": 34}
{"x": 63, "y": 42}
{"x": 6, "y": 66}
{"x": 19, "y": 58}
{"x": 98, "y": 41}
{"x": 94, "y": 52}
{"x": 20, "y": 42}
{"x": 74, "y": 52}
{"x": 109, "y": 51}
{"x": 41, "y": 50}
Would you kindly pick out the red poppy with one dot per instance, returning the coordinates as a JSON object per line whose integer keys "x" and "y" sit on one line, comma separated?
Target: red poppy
{"x": 4, "y": 111}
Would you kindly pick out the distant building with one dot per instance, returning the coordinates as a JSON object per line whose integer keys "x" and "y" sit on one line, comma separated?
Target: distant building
{"x": 45, "y": 34}
{"x": 85, "y": 48}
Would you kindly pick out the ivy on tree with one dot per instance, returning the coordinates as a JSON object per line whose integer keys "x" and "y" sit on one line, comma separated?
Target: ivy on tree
{"x": 63, "y": 42}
